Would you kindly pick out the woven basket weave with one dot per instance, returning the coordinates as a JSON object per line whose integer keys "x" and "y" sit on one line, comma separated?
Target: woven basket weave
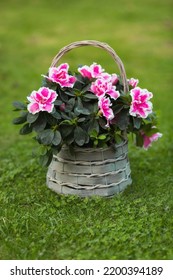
{"x": 89, "y": 171}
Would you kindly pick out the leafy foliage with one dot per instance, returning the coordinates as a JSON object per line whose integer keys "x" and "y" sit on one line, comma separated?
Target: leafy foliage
{"x": 77, "y": 120}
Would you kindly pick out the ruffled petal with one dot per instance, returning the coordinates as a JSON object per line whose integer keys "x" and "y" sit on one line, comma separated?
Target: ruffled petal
{"x": 33, "y": 108}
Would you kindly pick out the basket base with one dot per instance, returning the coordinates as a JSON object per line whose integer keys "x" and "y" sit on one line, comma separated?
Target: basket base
{"x": 102, "y": 172}
{"x": 83, "y": 192}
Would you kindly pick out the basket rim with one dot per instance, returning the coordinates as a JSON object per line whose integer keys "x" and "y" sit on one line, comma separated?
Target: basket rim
{"x": 87, "y": 149}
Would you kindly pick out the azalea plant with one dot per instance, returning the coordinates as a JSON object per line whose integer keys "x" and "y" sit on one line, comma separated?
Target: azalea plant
{"x": 88, "y": 108}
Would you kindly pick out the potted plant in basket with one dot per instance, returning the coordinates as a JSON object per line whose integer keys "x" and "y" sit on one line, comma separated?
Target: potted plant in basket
{"x": 88, "y": 110}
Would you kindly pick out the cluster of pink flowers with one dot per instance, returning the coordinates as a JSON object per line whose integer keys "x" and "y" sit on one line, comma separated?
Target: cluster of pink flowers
{"x": 103, "y": 87}
{"x": 42, "y": 100}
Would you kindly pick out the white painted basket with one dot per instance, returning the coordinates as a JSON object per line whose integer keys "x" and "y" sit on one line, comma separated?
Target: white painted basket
{"x": 102, "y": 172}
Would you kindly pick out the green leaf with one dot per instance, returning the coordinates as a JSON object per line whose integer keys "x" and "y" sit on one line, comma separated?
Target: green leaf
{"x": 71, "y": 101}
{"x": 51, "y": 119}
{"x": 46, "y": 136}
{"x": 56, "y": 115}
{"x": 139, "y": 140}
{"x": 80, "y": 136}
{"x": 40, "y": 123}
{"x": 70, "y": 93}
{"x": 46, "y": 159}
{"x": 64, "y": 116}
{"x": 86, "y": 88}
{"x": 18, "y": 120}
{"x": 137, "y": 122}
{"x": 81, "y": 120}
{"x": 91, "y": 96}
{"x": 66, "y": 130}
{"x": 19, "y": 105}
{"x": 93, "y": 133}
{"x": 69, "y": 139}
{"x": 72, "y": 116}
{"x": 117, "y": 108}
{"x": 57, "y": 138}
{"x": 26, "y": 129}
{"x": 93, "y": 125}
{"x": 118, "y": 138}
{"x": 21, "y": 119}
{"x": 70, "y": 104}
{"x": 66, "y": 122}
{"x": 63, "y": 96}
{"x": 150, "y": 131}
{"x": 42, "y": 150}
{"x": 83, "y": 111}
{"x": 80, "y": 109}
{"x": 102, "y": 123}
{"x": 58, "y": 102}
{"x": 96, "y": 142}
{"x": 102, "y": 137}
{"x": 79, "y": 103}
{"x": 80, "y": 79}
{"x": 32, "y": 118}
{"x": 122, "y": 119}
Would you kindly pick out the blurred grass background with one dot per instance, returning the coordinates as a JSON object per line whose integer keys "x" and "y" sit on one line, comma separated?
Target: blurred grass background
{"x": 38, "y": 224}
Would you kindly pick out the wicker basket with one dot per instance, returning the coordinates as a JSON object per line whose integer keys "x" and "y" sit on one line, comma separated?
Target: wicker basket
{"x": 89, "y": 171}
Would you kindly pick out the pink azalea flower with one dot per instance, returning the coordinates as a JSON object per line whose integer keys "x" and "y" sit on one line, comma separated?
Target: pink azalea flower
{"x": 149, "y": 139}
{"x": 101, "y": 87}
{"x": 114, "y": 79}
{"x": 140, "y": 105}
{"x": 104, "y": 105}
{"x": 114, "y": 94}
{"x": 110, "y": 78}
{"x": 105, "y": 76}
{"x": 60, "y": 76}
{"x": 41, "y": 100}
{"x": 85, "y": 71}
{"x": 92, "y": 71}
{"x": 96, "y": 70}
{"x": 133, "y": 82}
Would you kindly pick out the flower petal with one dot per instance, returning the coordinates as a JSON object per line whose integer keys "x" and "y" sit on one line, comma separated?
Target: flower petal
{"x": 104, "y": 105}
{"x": 33, "y": 108}
{"x": 113, "y": 93}
{"x": 85, "y": 71}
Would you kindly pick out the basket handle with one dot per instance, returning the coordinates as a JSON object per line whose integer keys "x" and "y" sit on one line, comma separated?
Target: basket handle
{"x": 98, "y": 45}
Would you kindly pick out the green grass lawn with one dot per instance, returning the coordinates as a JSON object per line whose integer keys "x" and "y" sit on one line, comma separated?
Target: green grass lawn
{"x": 36, "y": 223}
